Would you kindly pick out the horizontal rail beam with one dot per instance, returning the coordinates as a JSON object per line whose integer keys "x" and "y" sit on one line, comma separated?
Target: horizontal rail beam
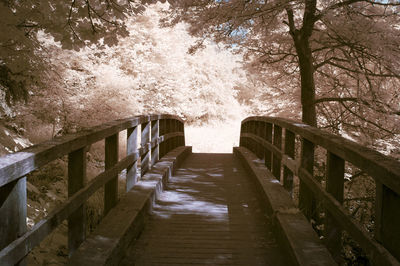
{"x": 15, "y": 165}
{"x": 286, "y": 160}
{"x": 380, "y": 255}
{"x": 24, "y": 244}
{"x": 382, "y": 248}
{"x": 385, "y": 170}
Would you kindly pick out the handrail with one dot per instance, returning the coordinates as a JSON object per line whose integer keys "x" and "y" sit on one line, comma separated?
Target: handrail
{"x": 159, "y": 135}
{"x": 264, "y": 137}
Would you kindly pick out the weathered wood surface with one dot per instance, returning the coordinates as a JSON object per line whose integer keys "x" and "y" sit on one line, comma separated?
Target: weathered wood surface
{"x": 385, "y": 248}
{"x": 16, "y": 165}
{"x": 131, "y": 147}
{"x": 15, "y": 243}
{"x": 23, "y": 245}
{"x": 76, "y": 181}
{"x": 209, "y": 214}
{"x": 294, "y": 232}
{"x": 107, "y": 244}
{"x": 384, "y": 169}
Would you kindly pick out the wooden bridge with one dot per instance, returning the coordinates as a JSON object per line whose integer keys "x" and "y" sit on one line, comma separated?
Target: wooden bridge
{"x": 256, "y": 206}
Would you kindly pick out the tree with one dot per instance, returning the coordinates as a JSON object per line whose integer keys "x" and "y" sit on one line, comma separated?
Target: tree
{"x": 343, "y": 54}
{"x": 74, "y": 24}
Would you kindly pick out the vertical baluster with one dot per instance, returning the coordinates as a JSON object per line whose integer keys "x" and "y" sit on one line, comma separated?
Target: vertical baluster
{"x": 144, "y": 143}
{"x": 174, "y": 129}
{"x": 276, "y": 161}
{"x": 335, "y": 187}
{"x": 182, "y": 129}
{"x": 249, "y": 140}
{"x": 260, "y": 150}
{"x": 111, "y": 187}
{"x": 76, "y": 181}
{"x": 387, "y": 218}
{"x": 161, "y": 131}
{"x": 268, "y": 153}
{"x": 253, "y": 131}
{"x": 289, "y": 151}
{"x": 169, "y": 130}
{"x": 262, "y": 134}
{"x": 154, "y": 138}
{"x": 131, "y": 147}
{"x": 13, "y": 212}
{"x": 245, "y": 141}
{"x": 306, "y": 198}
{"x": 241, "y": 139}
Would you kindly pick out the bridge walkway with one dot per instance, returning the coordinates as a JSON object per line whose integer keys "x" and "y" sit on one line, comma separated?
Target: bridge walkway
{"x": 208, "y": 214}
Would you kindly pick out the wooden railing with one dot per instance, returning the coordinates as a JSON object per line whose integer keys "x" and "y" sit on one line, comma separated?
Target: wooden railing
{"x": 159, "y": 135}
{"x": 273, "y": 139}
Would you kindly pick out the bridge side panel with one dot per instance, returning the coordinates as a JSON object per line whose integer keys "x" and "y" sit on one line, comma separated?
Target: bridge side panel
{"x": 13, "y": 212}
{"x": 76, "y": 181}
{"x": 387, "y": 219}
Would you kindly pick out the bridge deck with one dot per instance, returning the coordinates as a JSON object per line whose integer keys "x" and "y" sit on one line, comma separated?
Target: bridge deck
{"x": 208, "y": 214}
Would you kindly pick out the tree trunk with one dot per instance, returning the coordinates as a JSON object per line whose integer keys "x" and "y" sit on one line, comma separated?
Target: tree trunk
{"x": 307, "y": 82}
{"x": 301, "y": 40}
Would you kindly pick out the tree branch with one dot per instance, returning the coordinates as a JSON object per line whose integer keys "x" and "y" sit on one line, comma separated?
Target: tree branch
{"x": 333, "y": 99}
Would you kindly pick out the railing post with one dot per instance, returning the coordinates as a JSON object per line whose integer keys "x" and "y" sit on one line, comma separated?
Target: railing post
{"x": 13, "y": 208}
{"x": 161, "y": 132}
{"x": 76, "y": 181}
{"x": 253, "y": 130}
{"x": 262, "y": 134}
{"x": 111, "y": 187}
{"x": 168, "y": 129}
{"x": 276, "y": 161}
{"x": 174, "y": 128}
{"x": 154, "y": 138}
{"x": 335, "y": 187}
{"x": 259, "y": 133}
{"x": 241, "y": 139}
{"x": 268, "y": 153}
{"x": 306, "y": 198}
{"x": 131, "y": 147}
{"x": 144, "y": 142}
{"x": 289, "y": 151}
{"x": 182, "y": 129}
{"x": 387, "y": 218}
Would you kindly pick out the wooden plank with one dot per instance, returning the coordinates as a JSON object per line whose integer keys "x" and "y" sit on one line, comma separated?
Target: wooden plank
{"x": 387, "y": 219}
{"x": 335, "y": 187}
{"x": 242, "y": 140}
{"x": 296, "y": 235}
{"x": 144, "y": 142}
{"x": 376, "y": 252}
{"x": 174, "y": 126}
{"x": 168, "y": 128}
{"x": 108, "y": 243}
{"x": 76, "y": 181}
{"x": 289, "y": 150}
{"x": 182, "y": 130}
{"x": 20, "y": 247}
{"x": 111, "y": 187}
{"x": 162, "y": 132}
{"x": 382, "y": 168}
{"x": 276, "y": 161}
{"x": 268, "y": 154}
{"x": 131, "y": 147}
{"x": 306, "y": 198}
{"x": 262, "y": 133}
{"x": 13, "y": 209}
{"x": 154, "y": 139}
{"x": 14, "y": 166}
{"x": 286, "y": 160}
